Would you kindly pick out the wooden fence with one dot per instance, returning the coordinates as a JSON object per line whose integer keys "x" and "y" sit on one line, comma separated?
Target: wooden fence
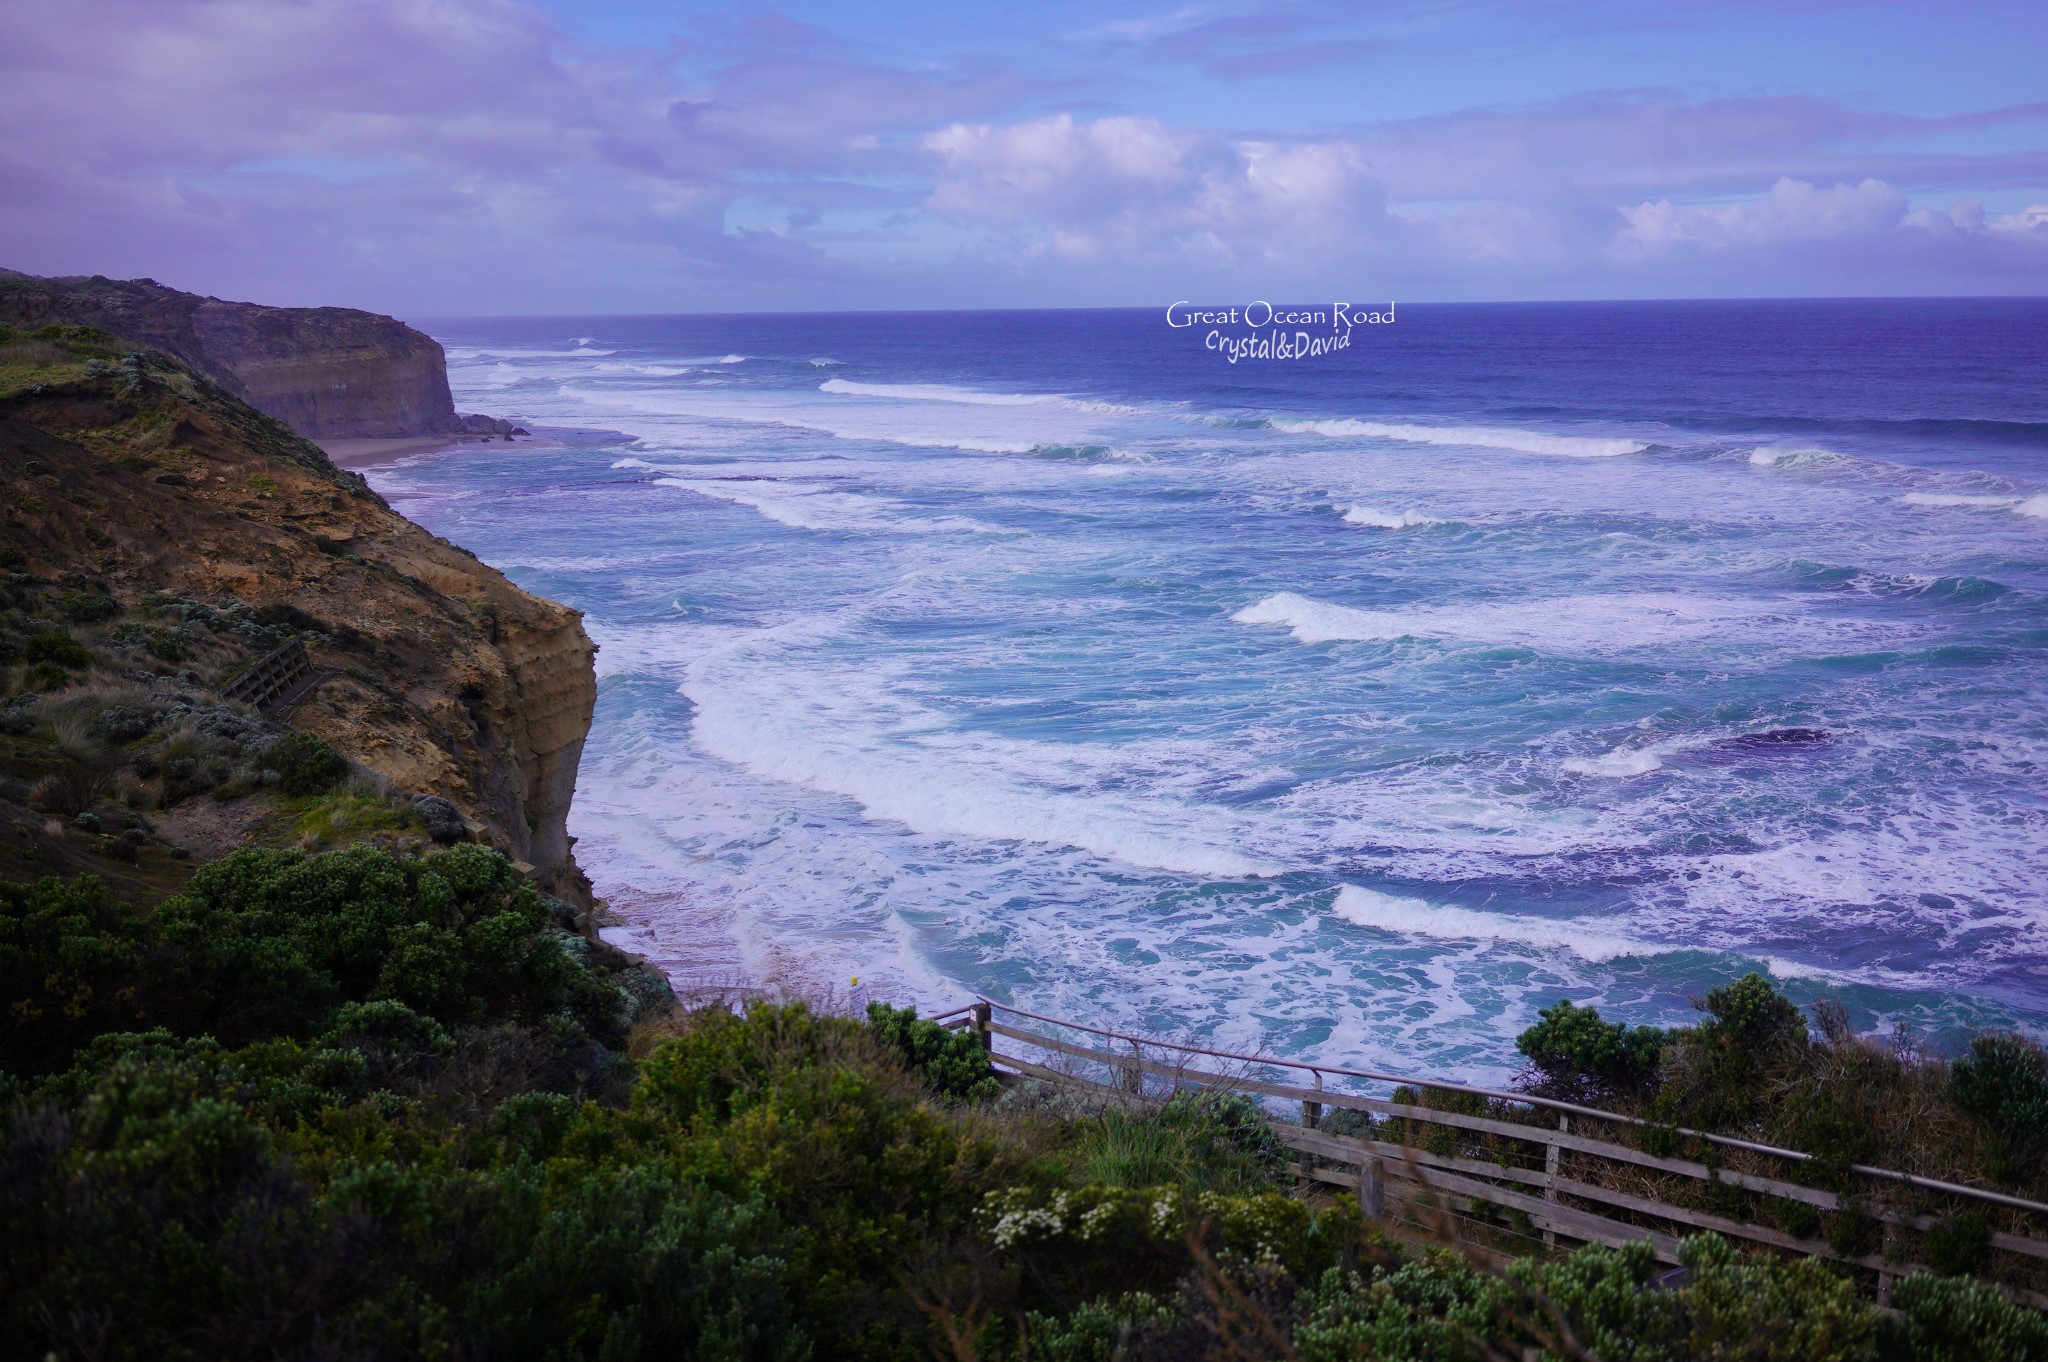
{"x": 1512, "y": 1174}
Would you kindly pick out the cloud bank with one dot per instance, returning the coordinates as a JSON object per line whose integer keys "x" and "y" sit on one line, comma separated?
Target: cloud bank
{"x": 470, "y": 155}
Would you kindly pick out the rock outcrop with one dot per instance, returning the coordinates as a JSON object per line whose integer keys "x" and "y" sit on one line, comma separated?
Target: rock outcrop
{"x": 136, "y": 475}
{"x": 327, "y": 372}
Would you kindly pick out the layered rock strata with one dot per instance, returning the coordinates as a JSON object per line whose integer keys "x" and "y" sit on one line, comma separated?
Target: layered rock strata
{"x": 327, "y": 372}
{"x": 140, "y": 475}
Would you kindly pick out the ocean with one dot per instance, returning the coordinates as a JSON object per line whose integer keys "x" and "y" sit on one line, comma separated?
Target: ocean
{"x": 1352, "y": 706}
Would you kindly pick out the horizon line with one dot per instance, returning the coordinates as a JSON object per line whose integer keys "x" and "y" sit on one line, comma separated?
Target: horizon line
{"x": 1278, "y": 301}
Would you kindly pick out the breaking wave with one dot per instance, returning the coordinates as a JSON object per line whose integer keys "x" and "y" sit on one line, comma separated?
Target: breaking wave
{"x": 1483, "y": 437}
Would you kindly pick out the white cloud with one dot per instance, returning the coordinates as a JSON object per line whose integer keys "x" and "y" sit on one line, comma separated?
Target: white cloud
{"x": 1127, "y": 184}
{"x": 1793, "y": 209}
{"x": 2033, "y": 219}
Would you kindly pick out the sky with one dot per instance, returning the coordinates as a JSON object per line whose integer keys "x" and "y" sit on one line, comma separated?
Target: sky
{"x": 469, "y": 157}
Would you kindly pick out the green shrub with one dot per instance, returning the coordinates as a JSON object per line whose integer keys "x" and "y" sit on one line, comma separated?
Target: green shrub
{"x": 1714, "y": 1075}
{"x": 56, "y": 648}
{"x": 274, "y": 943}
{"x": 1960, "y": 1245}
{"x": 952, "y": 1062}
{"x": 1431, "y": 1310}
{"x": 2003, "y": 1082}
{"x": 820, "y": 1117}
{"x": 1954, "y": 1319}
{"x": 305, "y": 764}
{"x": 1197, "y": 1139}
{"x": 70, "y": 968}
{"x": 1100, "y": 1331}
{"x": 47, "y": 676}
{"x": 164, "y": 1194}
{"x": 83, "y": 607}
{"x": 1062, "y": 1241}
{"x": 1574, "y": 1056}
{"x": 1829, "y": 1124}
{"x": 1750, "y": 1018}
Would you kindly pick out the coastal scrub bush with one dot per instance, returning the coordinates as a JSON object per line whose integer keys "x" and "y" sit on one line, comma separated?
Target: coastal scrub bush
{"x": 171, "y": 1191}
{"x": 2003, "y": 1083}
{"x": 272, "y": 943}
{"x": 826, "y": 1122}
{"x": 1714, "y": 1072}
{"x": 1198, "y": 1139}
{"x": 69, "y": 967}
{"x": 87, "y": 607}
{"x": 952, "y": 1062}
{"x": 1061, "y": 1242}
{"x": 56, "y": 648}
{"x": 305, "y": 764}
{"x": 1574, "y": 1056}
{"x": 1435, "y": 1306}
{"x": 1954, "y": 1319}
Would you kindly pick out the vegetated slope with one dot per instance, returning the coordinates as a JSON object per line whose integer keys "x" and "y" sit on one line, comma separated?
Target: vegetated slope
{"x": 327, "y": 372}
{"x": 365, "y": 1105}
{"x": 129, "y": 479}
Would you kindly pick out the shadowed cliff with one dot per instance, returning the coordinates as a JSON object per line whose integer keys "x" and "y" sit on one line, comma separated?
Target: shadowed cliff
{"x": 128, "y": 478}
{"x": 327, "y": 372}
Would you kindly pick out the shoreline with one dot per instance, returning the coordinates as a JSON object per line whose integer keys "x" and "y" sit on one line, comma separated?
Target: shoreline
{"x": 368, "y": 453}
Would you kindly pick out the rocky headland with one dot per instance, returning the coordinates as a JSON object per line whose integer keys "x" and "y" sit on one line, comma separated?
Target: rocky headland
{"x": 161, "y": 536}
{"x": 330, "y": 373}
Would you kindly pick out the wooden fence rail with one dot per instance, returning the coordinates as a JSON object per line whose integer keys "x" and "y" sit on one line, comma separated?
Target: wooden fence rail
{"x": 1510, "y": 1172}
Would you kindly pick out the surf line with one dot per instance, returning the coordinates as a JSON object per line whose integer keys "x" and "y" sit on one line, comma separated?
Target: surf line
{"x": 1276, "y": 344}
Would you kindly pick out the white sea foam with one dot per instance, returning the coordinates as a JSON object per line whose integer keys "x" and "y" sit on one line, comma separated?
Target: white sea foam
{"x": 1618, "y": 764}
{"x": 806, "y": 508}
{"x": 972, "y": 397}
{"x": 1958, "y": 501}
{"x": 766, "y": 706}
{"x": 2034, "y": 506}
{"x": 648, "y": 370}
{"x": 1418, "y": 917}
{"x": 930, "y": 392}
{"x": 1578, "y": 625}
{"x": 826, "y": 362}
{"x": 498, "y": 352}
{"x": 942, "y": 427}
{"x": 1793, "y": 456}
{"x": 1484, "y": 437}
{"x": 1387, "y": 520}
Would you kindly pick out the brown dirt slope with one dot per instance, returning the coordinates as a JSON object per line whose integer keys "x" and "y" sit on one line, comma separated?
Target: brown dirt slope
{"x": 133, "y": 474}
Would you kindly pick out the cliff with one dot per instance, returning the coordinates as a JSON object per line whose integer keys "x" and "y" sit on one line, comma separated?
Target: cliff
{"x": 327, "y": 372}
{"x": 130, "y": 479}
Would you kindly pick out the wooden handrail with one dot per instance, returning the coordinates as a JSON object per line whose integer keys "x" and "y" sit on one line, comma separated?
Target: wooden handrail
{"x": 1472, "y": 1180}
{"x": 1537, "y": 1133}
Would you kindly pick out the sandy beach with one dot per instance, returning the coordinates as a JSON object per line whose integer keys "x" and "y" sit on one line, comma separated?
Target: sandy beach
{"x": 369, "y": 453}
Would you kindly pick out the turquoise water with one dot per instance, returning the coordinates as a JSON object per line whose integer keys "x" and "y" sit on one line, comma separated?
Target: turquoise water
{"x": 1353, "y": 707}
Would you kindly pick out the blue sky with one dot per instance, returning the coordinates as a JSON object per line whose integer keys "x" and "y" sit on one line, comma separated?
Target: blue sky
{"x": 467, "y": 156}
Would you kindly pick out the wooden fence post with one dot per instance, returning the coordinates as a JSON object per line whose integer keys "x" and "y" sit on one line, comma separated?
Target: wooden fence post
{"x": 1552, "y": 1155}
{"x": 1134, "y": 1076}
{"x": 1372, "y": 1189}
{"x": 980, "y": 1021}
{"x": 1312, "y": 1112}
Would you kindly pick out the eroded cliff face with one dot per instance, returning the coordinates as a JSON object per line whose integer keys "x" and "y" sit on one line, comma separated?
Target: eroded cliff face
{"x": 437, "y": 671}
{"x": 327, "y": 372}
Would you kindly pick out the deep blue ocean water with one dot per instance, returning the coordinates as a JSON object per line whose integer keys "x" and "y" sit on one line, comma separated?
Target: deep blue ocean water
{"x": 1354, "y": 706}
